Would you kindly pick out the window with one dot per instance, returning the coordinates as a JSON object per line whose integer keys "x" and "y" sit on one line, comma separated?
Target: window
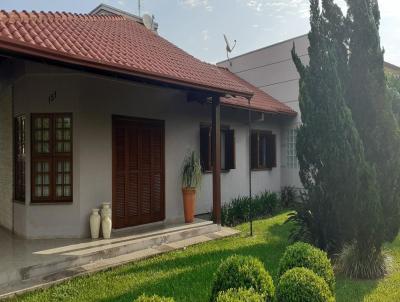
{"x": 291, "y": 156}
{"x": 19, "y": 158}
{"x": 263, "y": 150}
{"x": 227, "y": 148}
{"x": 51, "y": 157}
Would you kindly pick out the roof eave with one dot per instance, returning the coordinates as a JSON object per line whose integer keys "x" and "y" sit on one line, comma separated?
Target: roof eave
{"x": 19, "y": 48}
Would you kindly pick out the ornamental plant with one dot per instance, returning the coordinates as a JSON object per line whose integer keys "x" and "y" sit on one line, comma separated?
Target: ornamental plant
{"x": 244, "y": 272}
{"x": 240, "y": 295}
{"x": 301, "y": 284}
{"x": 305, "y": 255}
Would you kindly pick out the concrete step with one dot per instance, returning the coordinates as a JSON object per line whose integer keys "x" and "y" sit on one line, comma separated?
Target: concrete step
{"x": 80, "y": 254}
{"x": 51, "y": 278}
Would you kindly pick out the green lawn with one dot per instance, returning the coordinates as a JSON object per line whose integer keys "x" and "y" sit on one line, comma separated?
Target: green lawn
{"x": 186, "y": 275}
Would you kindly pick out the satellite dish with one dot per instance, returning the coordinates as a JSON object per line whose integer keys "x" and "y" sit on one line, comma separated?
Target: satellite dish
{"x": 148, "y": 21}
{"x": 229, "y": 49}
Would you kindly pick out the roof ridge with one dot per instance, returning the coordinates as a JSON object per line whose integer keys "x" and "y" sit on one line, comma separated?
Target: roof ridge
{"x": 24, "y": 15}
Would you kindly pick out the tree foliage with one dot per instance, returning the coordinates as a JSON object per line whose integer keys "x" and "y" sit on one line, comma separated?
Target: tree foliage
{"x": 333, "y": 169}
{"x": 368, "y": 98}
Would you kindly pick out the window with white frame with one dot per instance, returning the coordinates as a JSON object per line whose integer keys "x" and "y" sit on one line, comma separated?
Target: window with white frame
{"x": 291, "y": 156}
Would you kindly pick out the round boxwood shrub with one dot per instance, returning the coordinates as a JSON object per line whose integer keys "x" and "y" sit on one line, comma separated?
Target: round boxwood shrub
{"x": 305, "y": 255}
{"x": 301, "y": 284}
{"x": 154, "y": 298}
{"x": 239, "y": 295}
{"x": 243, "y": 272}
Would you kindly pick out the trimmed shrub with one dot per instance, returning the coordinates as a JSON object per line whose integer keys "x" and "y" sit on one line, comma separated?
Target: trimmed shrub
{"x": 240, "y": 295}
{"x": 154, "y": 298}
{"x": 305, "y": 255}
{"x": 243, "y": 272}
{"x": 301, "y": 284}
{"x": 237, "y": 211}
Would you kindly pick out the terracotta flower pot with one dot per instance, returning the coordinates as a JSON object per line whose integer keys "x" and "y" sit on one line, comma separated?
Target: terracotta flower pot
{"x": 189, "y": 202}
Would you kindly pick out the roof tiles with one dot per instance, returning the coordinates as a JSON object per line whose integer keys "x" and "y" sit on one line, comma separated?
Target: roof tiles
{"x": 116, "y": 43}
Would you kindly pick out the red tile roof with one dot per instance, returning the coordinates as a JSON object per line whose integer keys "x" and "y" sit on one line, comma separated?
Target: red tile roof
{"x": 119, "y": 44}
{"x": 113, "y": 43}
{"x": 260, "y": 101}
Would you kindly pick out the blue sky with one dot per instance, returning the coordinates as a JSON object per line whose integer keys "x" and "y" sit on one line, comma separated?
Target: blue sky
{"x": 197, "y": 25}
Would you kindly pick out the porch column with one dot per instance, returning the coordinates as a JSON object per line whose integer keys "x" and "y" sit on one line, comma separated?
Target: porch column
{"x": 216, "y": 146}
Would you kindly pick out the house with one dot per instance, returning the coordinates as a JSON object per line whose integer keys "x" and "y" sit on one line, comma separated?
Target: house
{"x": 97, "y": 107}
{"x": 272, "y": 70}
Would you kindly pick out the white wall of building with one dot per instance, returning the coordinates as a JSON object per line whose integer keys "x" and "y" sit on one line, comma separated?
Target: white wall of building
{"x": 93, "y": 100}
{"x": 272, "y": 70}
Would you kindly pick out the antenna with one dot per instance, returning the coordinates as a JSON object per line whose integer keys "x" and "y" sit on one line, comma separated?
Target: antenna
{"x": 148, "y": 21}
{"x": 139, "y": 6}
{"x": 229, "y": 49}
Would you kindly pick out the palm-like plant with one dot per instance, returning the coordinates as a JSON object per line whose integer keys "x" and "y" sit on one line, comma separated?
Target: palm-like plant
{"x": 191, "y": 171}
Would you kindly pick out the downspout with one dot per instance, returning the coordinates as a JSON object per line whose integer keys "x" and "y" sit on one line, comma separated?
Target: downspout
{"x": 250, "y": 187}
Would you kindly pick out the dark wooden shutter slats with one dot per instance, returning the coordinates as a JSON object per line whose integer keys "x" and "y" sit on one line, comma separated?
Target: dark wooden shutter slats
{"x": 230, "y": 152}
{"x": 142, "y": 198}
{"x": 205, "y": 148}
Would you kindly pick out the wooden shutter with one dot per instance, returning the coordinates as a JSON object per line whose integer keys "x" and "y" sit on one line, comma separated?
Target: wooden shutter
{"x": 254, "y": 150}
{"x": 230, "y": 153}
{"x": 205, "y": 148}
{"x": 119, "y": 186}
{"x": 271, "y": 150}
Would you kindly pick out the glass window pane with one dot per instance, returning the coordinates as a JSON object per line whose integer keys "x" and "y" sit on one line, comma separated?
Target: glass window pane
{"x": 38, "y": 122}
{"x": 60, "y": 147}
{"x": 67, "y": 191}
{"x": 67, "y": 147}
{"x": 38, "y": 179}
{"x": 59, "y": 122}
{"x": 38, "y": 191}
{"x": 46, "y": 167}
{"x": 46, "y": 135}
{"x": 67, "y": 179}
{"x": 67, "y": 167}
{"x": 59, "y": 179}
{"x": 46, "y": 123}
{"x": 39, "y": 167}
{"x": 59, "y": 191}
{"x": 46, "y": 148}
{"x": 59, "y": 135}
{"x": 67, "y": 122}
{"x": 67, "y": 135}
{"x": 46, "y": 179}
{"x": 46, "y": 191}
{"x": 38, "y": 135}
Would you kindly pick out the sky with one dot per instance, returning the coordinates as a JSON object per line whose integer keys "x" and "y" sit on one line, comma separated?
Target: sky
{"x": 197, "y": 26}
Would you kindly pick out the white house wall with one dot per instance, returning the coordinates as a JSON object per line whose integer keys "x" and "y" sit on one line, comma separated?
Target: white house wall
{"x": 93, "y": 100}
{"x": 272, "y": 70}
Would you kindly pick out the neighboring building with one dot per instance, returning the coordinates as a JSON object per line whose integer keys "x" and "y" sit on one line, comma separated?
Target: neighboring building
{"x": 272, "y": 70}
{"x": 99, "y": 108}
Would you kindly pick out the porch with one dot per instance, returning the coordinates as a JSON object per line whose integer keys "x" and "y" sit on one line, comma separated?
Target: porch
{"x": 30, "y": 264}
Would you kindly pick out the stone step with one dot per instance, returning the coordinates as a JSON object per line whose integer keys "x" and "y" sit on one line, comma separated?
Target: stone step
{"x": 84, "y": 253}
{"x": 53, "y": 278}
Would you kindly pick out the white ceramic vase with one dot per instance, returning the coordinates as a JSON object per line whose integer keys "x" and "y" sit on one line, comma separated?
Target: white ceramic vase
{"x": 106, "y": 223}
{"x": 95, "y": 220}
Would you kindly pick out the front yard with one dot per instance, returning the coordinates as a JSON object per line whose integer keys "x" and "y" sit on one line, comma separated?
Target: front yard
{"x": 186, "y": 275}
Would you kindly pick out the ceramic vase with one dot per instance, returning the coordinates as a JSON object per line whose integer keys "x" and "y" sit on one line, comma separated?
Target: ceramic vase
{"x": 95, "y": 223}
{"x": 106, "y": 223}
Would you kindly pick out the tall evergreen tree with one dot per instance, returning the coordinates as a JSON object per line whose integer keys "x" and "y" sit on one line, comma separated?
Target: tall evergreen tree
{"x": 372, "y": 109}
{"x": 333, "y": 169}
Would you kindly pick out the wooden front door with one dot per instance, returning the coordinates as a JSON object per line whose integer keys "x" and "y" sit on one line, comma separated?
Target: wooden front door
{"x": 138, "y": 172}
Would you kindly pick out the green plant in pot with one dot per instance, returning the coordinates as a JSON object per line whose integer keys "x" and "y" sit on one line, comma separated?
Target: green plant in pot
{"x": 191, "y": 179}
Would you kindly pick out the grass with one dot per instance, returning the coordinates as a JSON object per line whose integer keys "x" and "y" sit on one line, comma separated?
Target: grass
{"x": 187, "y": 275}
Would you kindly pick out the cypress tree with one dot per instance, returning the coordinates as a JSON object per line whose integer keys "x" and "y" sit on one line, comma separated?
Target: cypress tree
{"x": 372, "y": 110}
{"x": 333, "y": 170}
